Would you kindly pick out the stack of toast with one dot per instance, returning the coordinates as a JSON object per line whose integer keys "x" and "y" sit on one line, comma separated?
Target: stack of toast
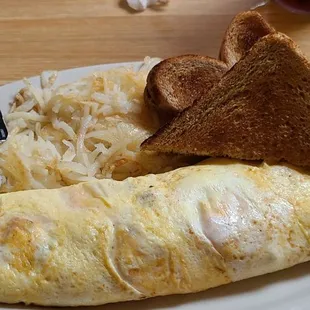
{"x": 252, "y": 103}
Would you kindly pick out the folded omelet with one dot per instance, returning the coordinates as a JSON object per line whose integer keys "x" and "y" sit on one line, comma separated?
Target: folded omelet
{"x": 180, "y": 232}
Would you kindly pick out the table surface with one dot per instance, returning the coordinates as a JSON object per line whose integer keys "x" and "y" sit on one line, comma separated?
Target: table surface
{"x": 38, "y": 35}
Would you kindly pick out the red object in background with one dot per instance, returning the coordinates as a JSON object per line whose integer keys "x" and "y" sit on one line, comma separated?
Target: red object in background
{"x": 297, "y": 6}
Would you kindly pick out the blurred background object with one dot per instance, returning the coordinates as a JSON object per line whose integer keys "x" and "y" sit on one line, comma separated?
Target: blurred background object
{"x": 296, "y": 6}
{"x": 141, "y": 5}
{"x": 42, "y": 34}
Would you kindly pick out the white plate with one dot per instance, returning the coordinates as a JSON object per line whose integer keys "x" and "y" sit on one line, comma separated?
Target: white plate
{"x": 8, "y": 91}
{"x": 284, "y": 290}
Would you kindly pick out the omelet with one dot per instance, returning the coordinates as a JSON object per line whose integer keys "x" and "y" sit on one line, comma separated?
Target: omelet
{"x": 179, "y": 232}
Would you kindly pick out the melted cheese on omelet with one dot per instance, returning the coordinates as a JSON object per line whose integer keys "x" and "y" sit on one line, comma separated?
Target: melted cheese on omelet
{"x": 179, "y": 232}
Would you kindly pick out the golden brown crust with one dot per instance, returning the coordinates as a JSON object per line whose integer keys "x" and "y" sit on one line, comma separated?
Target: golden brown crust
{"x": 177, "y": 82}
{"x": 164, "y": 114}
{"x": 259, "y": 110}
{"x": 243, "y": 32}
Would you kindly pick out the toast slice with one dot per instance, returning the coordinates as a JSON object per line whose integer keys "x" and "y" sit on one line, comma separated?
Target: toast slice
{"x": 243, "y": 32}
{"x": 260, "y": 110}
{"x": 176, "y": 83}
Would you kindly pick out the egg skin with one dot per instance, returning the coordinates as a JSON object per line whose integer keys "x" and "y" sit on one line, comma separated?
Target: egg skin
{"x": 179, "y": 232}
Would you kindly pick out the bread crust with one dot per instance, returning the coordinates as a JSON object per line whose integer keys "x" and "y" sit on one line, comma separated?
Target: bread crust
{"x": 258, "y": 111}
{"x": 176, "y": 83}
{"x": 244, "y": 31}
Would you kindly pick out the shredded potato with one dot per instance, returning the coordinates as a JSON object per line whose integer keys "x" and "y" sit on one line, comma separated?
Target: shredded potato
{"x": 90, "y": 129}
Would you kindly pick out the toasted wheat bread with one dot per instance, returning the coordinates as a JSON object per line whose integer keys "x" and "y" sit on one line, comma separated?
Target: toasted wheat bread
{"x": 177, "y": 82}
{"x": 260, "y": 110}
{"x": 245, "y": 29}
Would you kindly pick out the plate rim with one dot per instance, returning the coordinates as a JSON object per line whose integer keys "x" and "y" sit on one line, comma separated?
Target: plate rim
{"x": 72, "y": 70}
{"x": 70, "y": 75}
